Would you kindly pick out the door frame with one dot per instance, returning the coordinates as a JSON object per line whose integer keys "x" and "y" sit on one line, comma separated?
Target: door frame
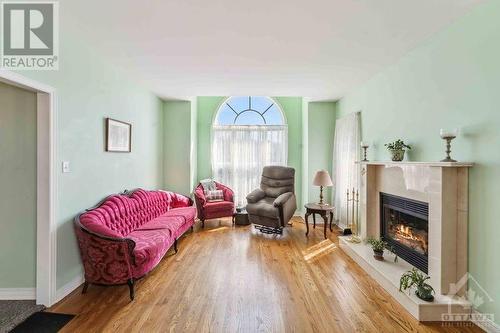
{"x": 46, "y": 231}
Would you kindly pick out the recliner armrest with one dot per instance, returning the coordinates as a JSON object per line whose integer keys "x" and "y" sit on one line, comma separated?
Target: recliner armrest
{"x": 281, "y": 199}
{"x": 255, "y": 196}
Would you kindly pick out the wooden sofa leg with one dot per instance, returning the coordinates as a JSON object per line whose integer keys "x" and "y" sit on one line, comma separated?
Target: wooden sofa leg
{"x": 202, "y": 223}
{"x": 175, "y": 245}
{"x": 85, "y": 287}
{"x": 130, "y": 283}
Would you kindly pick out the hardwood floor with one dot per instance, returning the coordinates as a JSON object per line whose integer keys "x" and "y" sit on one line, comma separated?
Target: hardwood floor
{"x": 235, "y": 279}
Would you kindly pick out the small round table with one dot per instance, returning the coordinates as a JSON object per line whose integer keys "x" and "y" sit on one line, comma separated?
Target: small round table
{"x": 322, "y": 210}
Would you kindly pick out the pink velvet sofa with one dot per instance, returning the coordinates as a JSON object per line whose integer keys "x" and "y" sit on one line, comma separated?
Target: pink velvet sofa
{"x": 126, "y": 235}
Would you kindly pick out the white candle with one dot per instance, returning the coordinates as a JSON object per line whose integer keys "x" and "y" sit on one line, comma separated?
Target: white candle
{"x": 448, "y": 134}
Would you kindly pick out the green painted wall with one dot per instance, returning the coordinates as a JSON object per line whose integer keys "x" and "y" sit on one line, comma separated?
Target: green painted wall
{"x": 207, "y": 106}
{"x": 18, "y": 194}
{"x": 321, "y": 123}
{"x": 451, "y": 81}
{"x": 194, "y": 143}
{"x": 304, "y": 155}
{"x": 292, "y": 107}
{"x": 90, "y": 88}
{"x": 177, "y": 146}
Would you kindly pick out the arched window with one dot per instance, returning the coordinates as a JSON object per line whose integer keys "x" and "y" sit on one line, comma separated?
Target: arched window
{"x": 249, "y": 110}
{"x": 248, "y": 133}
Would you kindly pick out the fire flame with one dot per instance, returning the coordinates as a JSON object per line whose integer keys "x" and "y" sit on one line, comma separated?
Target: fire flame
{"x": 406, "y": 232}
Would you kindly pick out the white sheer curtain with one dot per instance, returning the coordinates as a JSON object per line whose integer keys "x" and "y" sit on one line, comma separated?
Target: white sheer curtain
{"x": 346, "y": 151}
{"x": 240, "y": 152}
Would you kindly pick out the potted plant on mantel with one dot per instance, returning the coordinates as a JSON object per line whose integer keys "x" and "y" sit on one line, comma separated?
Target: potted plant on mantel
{"x": 397, "y": 149}
{"x": 415, "y": 278}
{"x": 378, "y": 246}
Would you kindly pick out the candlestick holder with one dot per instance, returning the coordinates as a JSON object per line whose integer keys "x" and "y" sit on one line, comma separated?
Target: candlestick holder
{"x": 448, "y": 136}
{"x": 364, "y": 146}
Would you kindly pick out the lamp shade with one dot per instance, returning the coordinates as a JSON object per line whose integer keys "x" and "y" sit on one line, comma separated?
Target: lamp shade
{"x": 322, "y": 178}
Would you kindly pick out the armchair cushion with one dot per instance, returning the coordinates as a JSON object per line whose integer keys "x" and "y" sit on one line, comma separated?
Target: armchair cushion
{"x": 208, "y": 185}
{"x": 255, "y": 196}
{"x": 280, "y": 201}
{"x": 277, "y": 180}
{"x": 263, "y": 207}
{"x": 213, "y": 208}
{"x": 214, "y": 195}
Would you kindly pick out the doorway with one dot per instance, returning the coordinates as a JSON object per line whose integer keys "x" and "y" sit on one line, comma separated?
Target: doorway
{"x": 33, "y": 169}
{"x": 18, "y": 197}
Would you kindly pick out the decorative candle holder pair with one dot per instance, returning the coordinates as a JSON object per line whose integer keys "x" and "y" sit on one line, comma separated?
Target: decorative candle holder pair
{"x": 448, "y": 136}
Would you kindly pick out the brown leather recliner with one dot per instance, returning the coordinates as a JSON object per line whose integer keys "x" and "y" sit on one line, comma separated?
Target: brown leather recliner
{"x": 271, "y": 206}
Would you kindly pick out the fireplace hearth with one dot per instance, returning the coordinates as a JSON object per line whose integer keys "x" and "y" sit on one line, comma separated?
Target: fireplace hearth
{"x": 404, "y": 225}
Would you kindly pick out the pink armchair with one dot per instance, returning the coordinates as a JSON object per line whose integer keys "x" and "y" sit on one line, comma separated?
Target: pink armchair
{"x": 213, "y": 210}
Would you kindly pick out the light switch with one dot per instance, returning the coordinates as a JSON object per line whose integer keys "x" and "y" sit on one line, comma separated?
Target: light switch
{"x": 65, "y": 167}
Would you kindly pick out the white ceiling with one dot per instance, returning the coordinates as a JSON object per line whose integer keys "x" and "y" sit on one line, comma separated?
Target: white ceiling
{"x": 320, "y": 49}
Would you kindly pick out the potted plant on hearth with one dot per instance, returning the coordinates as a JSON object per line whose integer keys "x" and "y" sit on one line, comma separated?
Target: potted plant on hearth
{"x": 378, "y": 246}
{"x": 415, "y": 278}
{"x": 397, "y": 149}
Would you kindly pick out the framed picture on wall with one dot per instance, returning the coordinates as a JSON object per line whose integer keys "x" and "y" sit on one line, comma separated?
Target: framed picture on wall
{"x": 118, "y": 136}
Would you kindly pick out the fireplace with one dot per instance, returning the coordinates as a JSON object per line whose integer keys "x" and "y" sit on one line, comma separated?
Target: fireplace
{"x": 437, "y": 209}
{"x": 404, "y": 225}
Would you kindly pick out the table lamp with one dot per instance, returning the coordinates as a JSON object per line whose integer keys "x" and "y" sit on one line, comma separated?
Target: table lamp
{"x": 322, "y": 178}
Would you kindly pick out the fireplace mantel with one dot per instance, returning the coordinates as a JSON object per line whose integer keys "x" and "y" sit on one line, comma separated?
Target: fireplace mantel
{"x": 444, "y": 187}
{"x": 417, "y": 163}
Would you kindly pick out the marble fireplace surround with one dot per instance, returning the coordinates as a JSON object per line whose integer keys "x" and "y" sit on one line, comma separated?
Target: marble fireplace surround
{"x": 444, "y": 186}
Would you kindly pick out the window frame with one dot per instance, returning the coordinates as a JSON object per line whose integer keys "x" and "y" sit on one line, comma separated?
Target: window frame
{"x": 227, "y": 99}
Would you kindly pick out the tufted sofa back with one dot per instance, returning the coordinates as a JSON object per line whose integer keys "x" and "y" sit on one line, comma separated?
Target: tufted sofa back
{"x": 120, "y": 214}
{"x": 277, "y": 180}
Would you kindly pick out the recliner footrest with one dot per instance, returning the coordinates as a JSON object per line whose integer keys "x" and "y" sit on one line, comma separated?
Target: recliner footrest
{"x": 269, "y": 230}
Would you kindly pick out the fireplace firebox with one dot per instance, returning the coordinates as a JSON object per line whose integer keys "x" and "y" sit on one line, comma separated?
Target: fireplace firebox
{"x": 404, "y": 225}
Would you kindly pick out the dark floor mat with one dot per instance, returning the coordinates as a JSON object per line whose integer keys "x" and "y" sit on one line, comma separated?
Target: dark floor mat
{"x": 12, "y": 313}
{"x": 43, "y": 322}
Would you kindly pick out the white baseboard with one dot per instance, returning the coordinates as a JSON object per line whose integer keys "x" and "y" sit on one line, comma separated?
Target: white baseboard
{"x": 17, "y": 293}
{"x": 487, "y": 325}
{"x": 68, "y": 288}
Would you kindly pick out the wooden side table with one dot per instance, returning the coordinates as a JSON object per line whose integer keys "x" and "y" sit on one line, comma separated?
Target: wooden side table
{"x": 322, "y": 210}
